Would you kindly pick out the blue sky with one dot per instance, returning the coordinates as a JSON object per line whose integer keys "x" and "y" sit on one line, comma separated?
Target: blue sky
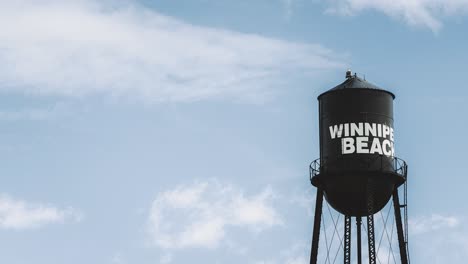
{"x": 175, "y": 131}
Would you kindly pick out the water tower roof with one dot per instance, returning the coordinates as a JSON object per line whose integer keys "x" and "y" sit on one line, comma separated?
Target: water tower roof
{"x": 354, "y": 82}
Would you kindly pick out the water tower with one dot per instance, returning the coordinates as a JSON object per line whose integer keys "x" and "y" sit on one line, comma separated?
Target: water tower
{"x": 358, "y": 172}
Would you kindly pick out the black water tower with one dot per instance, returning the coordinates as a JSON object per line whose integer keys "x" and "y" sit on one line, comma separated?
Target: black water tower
{"x": 357, "y": 171}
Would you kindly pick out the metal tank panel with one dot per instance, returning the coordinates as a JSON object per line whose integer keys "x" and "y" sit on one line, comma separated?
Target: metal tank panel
{"x": 357, "y": 169}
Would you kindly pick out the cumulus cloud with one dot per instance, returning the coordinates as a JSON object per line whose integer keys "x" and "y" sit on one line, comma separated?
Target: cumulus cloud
{"x": 424, "y": 224}
{"x": 419, "y": 13}
{"x": 78, "y": 48}
{"x": 17, "y": 214}
{"x": 199, "y": 215}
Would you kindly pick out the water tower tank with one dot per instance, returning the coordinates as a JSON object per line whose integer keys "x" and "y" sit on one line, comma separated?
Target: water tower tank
{"x": 357, "y": 169}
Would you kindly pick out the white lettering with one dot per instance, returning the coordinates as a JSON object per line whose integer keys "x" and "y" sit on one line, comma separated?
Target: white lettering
{"x": 336, "y": 131}
{"x": 361, "y": 145}
{"x": 357, "y": 129}
{"x": 370, "y": 129}
{"x": 348, "y": 145}
{"x": 364, "y": 138}
{"x": 375, "y": 147}
{"x": 386, "y": 131}
{"x": 387, "y": 147}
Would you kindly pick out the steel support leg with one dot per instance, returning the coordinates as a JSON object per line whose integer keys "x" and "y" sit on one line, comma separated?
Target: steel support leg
{"x": 358, "y": 234}
{"x": 399, "y": 225}
{"x": 347, "y": 240}
{"x": 317, "y": 220}
{"x": 370, "y": 221}
{"x": 371, "y": 239}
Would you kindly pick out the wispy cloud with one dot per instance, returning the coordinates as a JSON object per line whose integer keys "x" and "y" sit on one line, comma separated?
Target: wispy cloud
{"x": 296, "y": 253}
{"x": 78, "y": 48}
{"x": 200, "y": 214}
{"x": 418, "y": 13}
{"x": 438, "y": 239}
{"x": 17, "y": 214}
{"x": 424, "y": 224}
{"x": 288, "y": 8}
{"x": 35, "y": 114}
{"x": 117, "y": 259}
{"x": 166, "y": 258}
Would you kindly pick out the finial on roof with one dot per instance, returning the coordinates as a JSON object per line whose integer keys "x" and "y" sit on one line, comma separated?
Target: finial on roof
{"x": 348, "y": 74}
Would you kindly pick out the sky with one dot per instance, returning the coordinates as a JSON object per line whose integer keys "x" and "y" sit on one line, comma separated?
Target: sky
{"x": 136, "y": 131}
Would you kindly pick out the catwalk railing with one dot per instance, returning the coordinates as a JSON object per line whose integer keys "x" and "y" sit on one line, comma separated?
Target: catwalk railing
{"x": 377, "y": 163}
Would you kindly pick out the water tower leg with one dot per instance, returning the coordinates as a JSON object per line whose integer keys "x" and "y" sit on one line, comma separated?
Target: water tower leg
{"x": 370, "y": 221}
{"x": 358, "y": 234}
{"x": 399, "y": 225}
{"x": 371, "y": 239}
{"x": 317, "y": 220}
{"x": 347, "y": 239}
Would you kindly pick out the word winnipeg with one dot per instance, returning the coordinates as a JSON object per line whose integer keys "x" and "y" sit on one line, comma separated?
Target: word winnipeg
{"x": 364, "y": 138}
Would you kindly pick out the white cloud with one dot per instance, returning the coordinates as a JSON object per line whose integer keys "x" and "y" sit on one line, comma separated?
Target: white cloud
{"x": 117, "y": 259}
{"x": 166, "y": 259}
{"x": 303, "y": 199}
{"x": 78, "y": 48}
{"x": 25, "y": 114}
{"x": 297, "y": 260}
{"x": 424, "y": 224}
{"x": 200, "y": 214}
{"x": 17, "y": 214}
{"x": 35, "y": 114}
{"x": 288, "y": 6}
{"x": 438, "y": 239}
{"x": 296, "y": 253}
{"x": 419, "y": 13}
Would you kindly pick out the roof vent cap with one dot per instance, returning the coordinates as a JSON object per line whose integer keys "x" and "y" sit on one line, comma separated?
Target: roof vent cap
{"x": 348, "y": 74}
